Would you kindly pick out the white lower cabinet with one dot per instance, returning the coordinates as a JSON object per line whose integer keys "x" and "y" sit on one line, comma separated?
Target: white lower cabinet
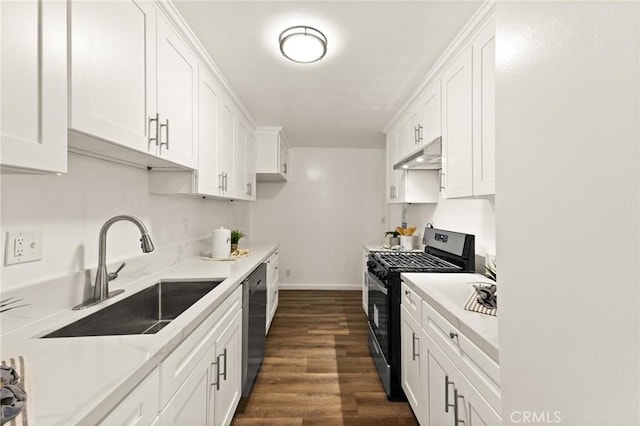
{"x": 189, "y": 405}
{"x": 365, "y": 281}
{"x": 411, "y": 366}
{"x": 226, "y": 386}
{"x": 272, "y": 287}
{"x": 447, "y": 382}
{"x": 139, "y": 407}
{"x": 452, "y": 399}
{"x": 198, "y": 383}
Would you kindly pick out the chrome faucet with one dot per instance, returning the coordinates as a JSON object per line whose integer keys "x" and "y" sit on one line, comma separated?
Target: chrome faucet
{"x": 101, "y": 288}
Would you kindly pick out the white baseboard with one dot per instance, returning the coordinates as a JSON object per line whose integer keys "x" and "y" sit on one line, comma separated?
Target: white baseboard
{"x": 293, "y": 286}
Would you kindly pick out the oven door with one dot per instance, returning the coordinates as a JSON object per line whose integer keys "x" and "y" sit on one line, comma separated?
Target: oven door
{"x": 379, "y": 309}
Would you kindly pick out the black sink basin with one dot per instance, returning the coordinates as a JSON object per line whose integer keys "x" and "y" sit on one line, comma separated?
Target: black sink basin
{"x": 145, "y": 312}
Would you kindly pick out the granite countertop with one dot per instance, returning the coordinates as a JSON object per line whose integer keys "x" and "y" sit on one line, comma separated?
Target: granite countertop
{"x": 80, "y": 379}
{"x": 447, "y": 294}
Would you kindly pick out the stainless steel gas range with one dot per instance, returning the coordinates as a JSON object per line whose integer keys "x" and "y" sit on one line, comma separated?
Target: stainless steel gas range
{"x": 445, "y": 252}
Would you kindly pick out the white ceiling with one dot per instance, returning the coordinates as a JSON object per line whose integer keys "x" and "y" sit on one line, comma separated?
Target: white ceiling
{"x": 378, "y": 52}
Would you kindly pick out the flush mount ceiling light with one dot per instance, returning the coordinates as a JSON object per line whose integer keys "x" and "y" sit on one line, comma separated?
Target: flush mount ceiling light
{"x": 303, "y": 44}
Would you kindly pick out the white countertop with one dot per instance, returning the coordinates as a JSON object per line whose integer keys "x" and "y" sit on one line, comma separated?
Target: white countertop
{"x": 80, "y": 379}
{"x": 447, "y": 294}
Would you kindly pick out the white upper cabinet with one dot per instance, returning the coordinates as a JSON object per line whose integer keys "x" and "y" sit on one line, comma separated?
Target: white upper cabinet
{"x": 227, "y": 147}
{"x": 177, "y": 97}
{"x": 240, "y": 161}
{"x": 431, "y": 110}
{"x": 34, "y": 86}
{"x": 209, "y": 97}
{"x": 272, "y": 154}
{"x": 134, "y": 84}
{"x": 484, "y": 110}
{"x": 113, "y": 73}
{"x": 457, "y": 110}
{"x": 251, "y": 159}
{"x": 457, "y": 103}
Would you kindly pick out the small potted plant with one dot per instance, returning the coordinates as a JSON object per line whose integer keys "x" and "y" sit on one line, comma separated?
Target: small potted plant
{"x": 393, "y": 237}
{"x": 236, "y": 234}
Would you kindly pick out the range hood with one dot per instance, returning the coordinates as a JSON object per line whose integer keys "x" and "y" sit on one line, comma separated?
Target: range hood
{"x": 428, "y": 157}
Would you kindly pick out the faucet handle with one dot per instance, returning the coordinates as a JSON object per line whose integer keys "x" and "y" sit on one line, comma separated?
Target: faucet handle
{"x": 114, "y": 275}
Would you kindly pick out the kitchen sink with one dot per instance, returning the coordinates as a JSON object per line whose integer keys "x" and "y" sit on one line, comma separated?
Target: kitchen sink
{"x": 145, "y": 312}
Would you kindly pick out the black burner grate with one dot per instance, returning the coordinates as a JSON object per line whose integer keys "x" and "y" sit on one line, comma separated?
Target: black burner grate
{"x": 415, "y": 261}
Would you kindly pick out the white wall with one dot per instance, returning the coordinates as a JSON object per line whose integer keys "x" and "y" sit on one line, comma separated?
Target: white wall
{"x": 568, "y": 160}
{"x": 70, "y": 209}
{"x": 471, "y": 216}
{"x": 330, "y": 206}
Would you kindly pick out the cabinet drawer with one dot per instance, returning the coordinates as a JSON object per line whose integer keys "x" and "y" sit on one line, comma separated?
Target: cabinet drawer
{"x": 140, "y": 407}
{"x": 412, "y": 302}
{"x": 272, "y": 267}
{"x": 475, "y": 364}
{"x": 177, "y": 366}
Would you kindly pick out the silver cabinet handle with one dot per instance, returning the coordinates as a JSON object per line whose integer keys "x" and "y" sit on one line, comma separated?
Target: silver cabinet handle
{"x": 456, "y": 414}
{"x": 166, "y": 124}
{"x": 446, "y": 394}
{"x": 224, "y": 373}
{"x": 284, "y": 168}
{"x": 247, "y": 189}
{"x": 414, "y": 346}
{"x": 453, "y": 335}
{"x": 220, "y": 186}
{"x": 441, "y": 180}
{"x": 217, "y": 364}
{"x": 156, "y": 120}
{"x": 416, "y": 135}
{"x": 420, "y": 128}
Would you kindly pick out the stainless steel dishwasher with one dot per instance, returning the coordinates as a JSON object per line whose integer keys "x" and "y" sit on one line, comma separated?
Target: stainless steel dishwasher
{"x": 254, "y": 317}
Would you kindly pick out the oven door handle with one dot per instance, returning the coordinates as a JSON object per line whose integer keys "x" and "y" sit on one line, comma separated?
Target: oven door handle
{"x": 377, "y": 285}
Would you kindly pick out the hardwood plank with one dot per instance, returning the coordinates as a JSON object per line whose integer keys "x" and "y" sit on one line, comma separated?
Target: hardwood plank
{"x": 317, "y": 368}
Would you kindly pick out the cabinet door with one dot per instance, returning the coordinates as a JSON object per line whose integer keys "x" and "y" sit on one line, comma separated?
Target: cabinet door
{"x": 284, "y": 156}
{"x": 431, "y": 108}
{"x": 414, "y": 126}
{"x": 473, "y": 408}
{"x": 250, "y": 177}
{"x": 391, "y": 174}
{"x": 189, "y": 406}
{"x": 228, "y": 352}
{"x": 457, "y": 126}
{"x": 209, "y": 181}
{"x": 484, "y": 110}
{"x": 438, "y": 385}
{"x": 140, "y": 407}
{"x": 177, "y": 97}
{"x": 226, "y": 146}
{"x": 411, "y": 367}
{"x": 34, "y": 85}
{"x": 365, "y": 282}
{"x": 240, "y": 162}
{"x": 113, "y": 80}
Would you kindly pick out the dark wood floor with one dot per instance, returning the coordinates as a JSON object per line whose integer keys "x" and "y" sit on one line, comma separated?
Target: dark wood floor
{"x": 317, "y": 369}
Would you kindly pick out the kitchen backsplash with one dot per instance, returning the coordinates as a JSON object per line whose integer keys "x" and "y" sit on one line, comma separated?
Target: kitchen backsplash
{"x": 70, "y": 209}
{"x": 472, "y": 216}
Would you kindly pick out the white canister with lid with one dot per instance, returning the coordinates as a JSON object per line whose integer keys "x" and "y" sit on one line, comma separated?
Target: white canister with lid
{"x": 221, "y": 243}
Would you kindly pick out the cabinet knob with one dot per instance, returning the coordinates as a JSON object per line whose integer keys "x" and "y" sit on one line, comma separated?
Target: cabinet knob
{"x": 453, "y": 335}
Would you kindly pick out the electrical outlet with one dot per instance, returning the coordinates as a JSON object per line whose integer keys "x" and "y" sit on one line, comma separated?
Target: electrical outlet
{"x": 287, "y": 272}
{"x": 383, "y": 220}
{"x": 23, "y": 247}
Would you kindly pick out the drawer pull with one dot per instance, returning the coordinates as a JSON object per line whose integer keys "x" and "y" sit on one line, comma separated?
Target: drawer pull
{"x": 453, "y": 335}
{"x": 413, "y": 351}
{"x": 446, "y": 394}
{"x": 456, "y": 414}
